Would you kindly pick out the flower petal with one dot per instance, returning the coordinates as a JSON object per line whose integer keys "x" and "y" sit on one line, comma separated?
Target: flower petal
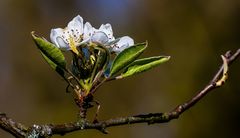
{"x": 88, "y": 31}
{"x": 122, "y": 44}
{"x": 76, "y": 24}
{"x": 62, "y": 44}
{"x": 54, "y": 34}
{"x": 107, "y": 29}
{"x": 99, "y": 37}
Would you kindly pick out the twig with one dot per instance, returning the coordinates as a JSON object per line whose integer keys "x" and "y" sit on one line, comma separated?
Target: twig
{"x": 230, "y": 59}
{"x": 19, "y": 130}
{"x": 151, "y": 118}
{"x": 14, "y": 128}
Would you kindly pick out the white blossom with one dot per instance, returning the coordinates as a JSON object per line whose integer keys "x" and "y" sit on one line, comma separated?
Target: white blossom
{"x": 77, "y": 33}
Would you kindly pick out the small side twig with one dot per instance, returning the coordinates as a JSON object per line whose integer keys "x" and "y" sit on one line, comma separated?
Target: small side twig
{"x": 230, "y": 59}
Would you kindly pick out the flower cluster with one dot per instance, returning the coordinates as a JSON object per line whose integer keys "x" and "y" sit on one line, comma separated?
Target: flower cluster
{"x": 97, "y": 57}
{"x": 77, "y": 33}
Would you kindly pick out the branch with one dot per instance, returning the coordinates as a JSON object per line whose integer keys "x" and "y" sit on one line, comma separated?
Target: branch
{"x": 152, "y": 118}
{"x": 19, "y": 130}
{"x": 14, "y": 128}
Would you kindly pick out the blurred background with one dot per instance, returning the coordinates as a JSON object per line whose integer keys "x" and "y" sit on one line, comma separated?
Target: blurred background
{"x": 193, "y": 32}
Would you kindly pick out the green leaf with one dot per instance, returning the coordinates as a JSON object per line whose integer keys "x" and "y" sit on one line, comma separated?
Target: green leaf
{"x": 145, "y": 64}
{"x": 53, "y": 53}
{"x": 126, "y": 57}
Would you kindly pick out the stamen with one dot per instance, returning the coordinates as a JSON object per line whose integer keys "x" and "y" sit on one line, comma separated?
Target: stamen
{"x": 73, "y": 46}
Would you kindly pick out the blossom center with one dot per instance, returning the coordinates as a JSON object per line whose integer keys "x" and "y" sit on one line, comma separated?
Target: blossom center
{"x": 72, "y": 37}
{"x": 72, "y": 45}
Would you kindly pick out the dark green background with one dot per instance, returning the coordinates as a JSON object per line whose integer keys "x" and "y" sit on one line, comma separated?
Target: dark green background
{"x": 193, "y": 32}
